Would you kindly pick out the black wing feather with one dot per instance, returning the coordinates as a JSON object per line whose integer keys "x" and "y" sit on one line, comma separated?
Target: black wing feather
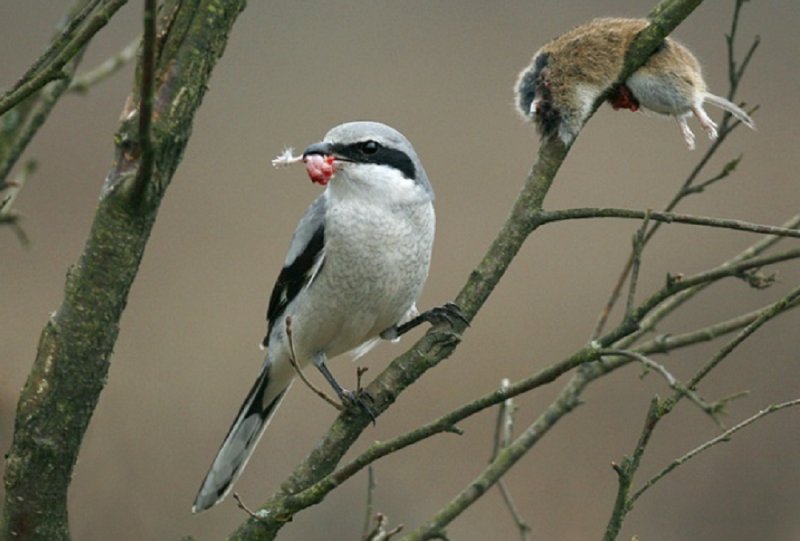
{"x": 293, "y": 278}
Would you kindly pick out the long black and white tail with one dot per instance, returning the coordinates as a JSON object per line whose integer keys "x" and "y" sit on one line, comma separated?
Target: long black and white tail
{"x": 251, "y": 421}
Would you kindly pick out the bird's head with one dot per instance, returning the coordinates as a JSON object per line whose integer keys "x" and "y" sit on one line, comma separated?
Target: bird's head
{"x": 369, "y": 157}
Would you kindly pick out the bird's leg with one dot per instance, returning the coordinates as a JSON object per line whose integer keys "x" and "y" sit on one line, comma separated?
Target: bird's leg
{"x": 293, "y": 360}
{"x": 448, "y": 313}
{"x": 347, "y": 397}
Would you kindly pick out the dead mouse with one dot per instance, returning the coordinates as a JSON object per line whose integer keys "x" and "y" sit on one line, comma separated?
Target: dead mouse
{"x": 567, "y": 75}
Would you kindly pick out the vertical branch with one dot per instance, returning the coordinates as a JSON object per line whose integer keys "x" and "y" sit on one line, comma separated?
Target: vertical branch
{"x": 75, "y": 347}
{"x": 370, "y": 506}
{"x": 146, "y": 90}
{"x": 503, "y": 432}
{"x": 627, "y": 470}
{"x": 638, "y": 247}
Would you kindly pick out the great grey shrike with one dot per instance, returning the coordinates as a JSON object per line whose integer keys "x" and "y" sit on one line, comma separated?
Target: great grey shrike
{"x": 356, "y": 265}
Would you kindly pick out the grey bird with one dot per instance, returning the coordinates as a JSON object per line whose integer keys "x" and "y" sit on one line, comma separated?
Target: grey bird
{"x": 356, "y": 265}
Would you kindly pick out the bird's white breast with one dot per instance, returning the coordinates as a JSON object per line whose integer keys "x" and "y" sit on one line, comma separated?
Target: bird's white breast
{"x": 377, "y": 256}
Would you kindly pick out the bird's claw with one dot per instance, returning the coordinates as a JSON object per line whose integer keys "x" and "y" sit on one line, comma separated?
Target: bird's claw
{"x": 360, "y": 400}
{"x": 448, "y": 313}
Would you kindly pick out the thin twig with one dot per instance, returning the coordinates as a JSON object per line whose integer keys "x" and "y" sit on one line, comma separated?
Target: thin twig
{"x": 638, "y": 247}
{"x": 31, "y": 114}
{"x": 505, "y": 420}
{"x": 8, "y": 215}
{"x": 66, "y": 32}
{"x": 360, "y": 371}
{"x": 724, "y": 437}
{"x": 711, "y": 409}
{"x": 293, "y": 359}
{"x": 735, "y": 74}
{"x": 661, "y": 408}
{"x": 146, "y": 91}
{"x": 52, "y": 69}
{"x": 523, "y": 527}
{"x": 503, "y": 433}
{"x": 722, "y": 271}
{"x": 240, "y": 504}
{"x": 546, "y": 217}
{"x": 81, "y": 83}
{"x": 667, "y": 342}
{"x": 379, "y": 532}
{"x": 767, "y": 314}
{"x": 370, "y": 511}
{"x": 667, "y": 305}
{"x": 724, "y": 173}
{"x": 627, "y": 469}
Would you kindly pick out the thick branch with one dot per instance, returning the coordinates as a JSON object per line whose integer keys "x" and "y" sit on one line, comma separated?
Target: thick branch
{"x": 75, "y": 346}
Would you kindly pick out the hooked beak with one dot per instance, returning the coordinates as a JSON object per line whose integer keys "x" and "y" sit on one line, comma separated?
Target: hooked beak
{"x": 323, "y": 148}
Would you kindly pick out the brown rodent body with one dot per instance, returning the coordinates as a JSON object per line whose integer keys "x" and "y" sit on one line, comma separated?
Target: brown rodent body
{"x": 557, "y": 91}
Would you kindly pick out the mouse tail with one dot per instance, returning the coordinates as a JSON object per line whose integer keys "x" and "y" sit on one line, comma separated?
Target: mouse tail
{"x": 731, "y": 107}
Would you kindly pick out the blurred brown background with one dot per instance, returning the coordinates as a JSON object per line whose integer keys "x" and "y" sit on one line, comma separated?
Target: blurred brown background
{"x": 442, "y": 73}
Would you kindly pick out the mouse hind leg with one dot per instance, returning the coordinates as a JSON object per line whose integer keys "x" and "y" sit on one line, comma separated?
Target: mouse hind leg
{"x": 686, "y": 131}
{"x": 709, "y": 126}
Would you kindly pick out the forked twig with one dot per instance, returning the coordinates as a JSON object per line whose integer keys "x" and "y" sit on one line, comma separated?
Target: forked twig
{"x": 503, "y": 434}
{"x": 379, "y": 532}
{"x": 240, "y": 504}
{"x": 724, "y": 437}
{"x": 712, "y": 409}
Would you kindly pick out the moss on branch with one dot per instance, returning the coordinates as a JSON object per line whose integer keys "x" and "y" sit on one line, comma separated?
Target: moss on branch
{"x": 75, "y": 347}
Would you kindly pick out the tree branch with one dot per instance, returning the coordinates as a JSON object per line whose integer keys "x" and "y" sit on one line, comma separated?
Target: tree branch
{"x": 436, "y": 346}
{"x": 671, "y": 303}
{"x": 661, "y": 408}
{"x": 69, "y": 47}
{"x": 75, "y": 348}
{"x": 724, "y": 437}
{"x": 81, "y": 83}
{"x": 546, "y": 217}
{"x": 667, "y": 343}
{"x": 147, "y": 67}
{"x": 8, "y": 215}
{"x": 22, "y": 123}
